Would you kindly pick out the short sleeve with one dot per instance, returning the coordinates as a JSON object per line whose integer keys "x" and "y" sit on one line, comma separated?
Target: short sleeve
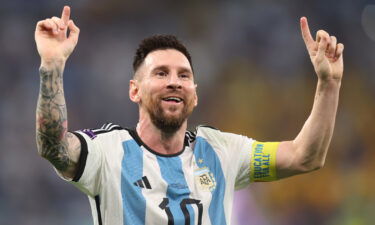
{"x": 239, "y": 152}
{"x": 88, "y": 175}
{"x": 234, "y": 152}
{"x": 252, "y": 160}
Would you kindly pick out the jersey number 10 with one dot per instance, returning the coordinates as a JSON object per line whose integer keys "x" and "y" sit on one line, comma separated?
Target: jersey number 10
{"x": 164, "y": 206}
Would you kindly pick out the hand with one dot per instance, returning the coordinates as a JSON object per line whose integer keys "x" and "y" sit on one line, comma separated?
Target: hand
{"x": 325, "y": 54}
{"x": 51, "y": 37}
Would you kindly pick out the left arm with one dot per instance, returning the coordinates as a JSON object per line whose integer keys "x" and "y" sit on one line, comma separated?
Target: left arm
{"x": 308, "y": 150}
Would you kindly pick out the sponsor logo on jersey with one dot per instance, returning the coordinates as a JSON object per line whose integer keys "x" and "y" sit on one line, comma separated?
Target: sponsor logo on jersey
{"x": 143, "y": 183}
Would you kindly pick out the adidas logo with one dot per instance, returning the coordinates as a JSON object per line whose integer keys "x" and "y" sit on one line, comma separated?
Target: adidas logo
{"x": 143, "y": 183}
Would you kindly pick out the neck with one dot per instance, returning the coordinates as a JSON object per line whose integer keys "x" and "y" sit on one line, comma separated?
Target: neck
{"x": 159, "y": 141}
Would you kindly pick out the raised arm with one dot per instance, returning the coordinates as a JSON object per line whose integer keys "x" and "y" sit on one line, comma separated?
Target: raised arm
{"x": 307, "y": 152}
{"x": 54, "y": 143}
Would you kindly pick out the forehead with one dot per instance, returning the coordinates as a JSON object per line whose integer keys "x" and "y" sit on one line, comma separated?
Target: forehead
{"x": 166, "y": 57}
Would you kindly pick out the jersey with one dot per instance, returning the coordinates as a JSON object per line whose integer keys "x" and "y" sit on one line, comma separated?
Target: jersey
{"x": 128, "y": 183}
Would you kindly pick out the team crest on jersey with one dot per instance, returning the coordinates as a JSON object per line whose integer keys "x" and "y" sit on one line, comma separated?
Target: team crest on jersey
{"x": 205, "y": 179}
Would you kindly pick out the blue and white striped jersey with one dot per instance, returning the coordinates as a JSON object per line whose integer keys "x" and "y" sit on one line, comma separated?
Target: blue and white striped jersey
{"x": 130, "y": 184}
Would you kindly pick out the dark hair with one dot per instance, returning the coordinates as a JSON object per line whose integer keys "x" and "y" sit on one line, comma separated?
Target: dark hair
{"x": 158, "y": 42}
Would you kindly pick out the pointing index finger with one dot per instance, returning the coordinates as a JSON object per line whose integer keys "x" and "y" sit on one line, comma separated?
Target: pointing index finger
{"x": 65, "y": 15}
{"x": 306, "y": 35}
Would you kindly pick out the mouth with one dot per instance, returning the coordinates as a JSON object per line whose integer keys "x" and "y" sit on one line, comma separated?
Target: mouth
{"x": 173, "y": 99}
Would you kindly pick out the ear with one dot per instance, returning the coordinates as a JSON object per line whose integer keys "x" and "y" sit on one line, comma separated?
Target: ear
{"x": 134, "y": 91}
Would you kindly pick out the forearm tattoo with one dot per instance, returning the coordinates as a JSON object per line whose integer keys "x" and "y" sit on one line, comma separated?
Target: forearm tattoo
{"x": 51, "y": 126}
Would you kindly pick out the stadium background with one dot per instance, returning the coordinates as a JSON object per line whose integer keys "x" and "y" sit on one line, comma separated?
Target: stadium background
{"x": 254, "y": 77}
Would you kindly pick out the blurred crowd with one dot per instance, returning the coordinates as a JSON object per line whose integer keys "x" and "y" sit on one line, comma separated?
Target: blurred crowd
{"x": 254, "y": 78}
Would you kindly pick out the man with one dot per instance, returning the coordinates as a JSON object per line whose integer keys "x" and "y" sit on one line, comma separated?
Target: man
{"x": 160, "y": 173}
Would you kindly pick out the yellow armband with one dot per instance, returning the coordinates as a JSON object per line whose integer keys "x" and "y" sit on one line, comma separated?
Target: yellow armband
{"x": 263, "y": 161}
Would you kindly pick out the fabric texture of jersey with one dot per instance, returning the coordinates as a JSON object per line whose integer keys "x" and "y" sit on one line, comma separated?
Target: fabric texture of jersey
{"x": 128, "y": 183}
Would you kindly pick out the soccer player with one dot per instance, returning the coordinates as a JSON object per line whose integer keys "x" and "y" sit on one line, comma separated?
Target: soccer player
{"x": 158, "y": 172}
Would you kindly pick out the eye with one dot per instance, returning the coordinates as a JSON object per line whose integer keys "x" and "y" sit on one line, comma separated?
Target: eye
{"x": 161, "y": 73}
{"x": 185, "y": 76}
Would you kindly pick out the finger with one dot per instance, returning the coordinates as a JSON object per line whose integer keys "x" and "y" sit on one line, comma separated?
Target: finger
{"x": 53, "y": 25}
{"x": 306, "y": 34}
{"x": 320, "y": 34}
{"x": 339, "y": 50}
{"x": 65, "y": 15}
{"x": 74, "y": 31}
{"x": 323, "y": 44}
{"x": 59, "y": 22}
{"x": 44, "y": 25}
{"x": 332, "y": 47}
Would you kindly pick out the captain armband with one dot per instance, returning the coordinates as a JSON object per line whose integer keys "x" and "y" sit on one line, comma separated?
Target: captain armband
{"x": 263, "y": 161}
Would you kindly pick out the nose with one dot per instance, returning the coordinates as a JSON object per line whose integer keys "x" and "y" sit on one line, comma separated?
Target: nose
{"x": 174, "y": 82}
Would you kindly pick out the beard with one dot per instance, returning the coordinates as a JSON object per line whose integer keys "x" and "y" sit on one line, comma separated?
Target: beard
{"x": 168, "y": 124}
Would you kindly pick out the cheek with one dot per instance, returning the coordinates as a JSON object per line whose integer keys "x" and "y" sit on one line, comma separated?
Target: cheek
{"x": 192, "y": 96}
{"x": 152, "y": 87}
{"x": 148, "y": 95}
{"x": 192, "y": 92}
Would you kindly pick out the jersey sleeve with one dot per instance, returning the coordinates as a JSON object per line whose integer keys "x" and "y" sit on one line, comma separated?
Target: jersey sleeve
{"x": 239, "y": 154}
{"x": 254, "y": 161}
{"x": 247, "y": 160}
{"x": 87, "y": 177}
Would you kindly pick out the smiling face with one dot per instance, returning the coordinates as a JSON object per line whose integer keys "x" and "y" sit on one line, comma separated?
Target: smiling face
{"x": 165, "y": 90}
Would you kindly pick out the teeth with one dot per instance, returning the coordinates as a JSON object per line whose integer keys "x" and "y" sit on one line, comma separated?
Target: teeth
{"x": 173, "y": 99}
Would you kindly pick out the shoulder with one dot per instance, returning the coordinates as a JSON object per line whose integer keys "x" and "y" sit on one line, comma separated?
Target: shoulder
{"x": 107, "y": 129}
{"x": 214, "y": 135}
{"x": 205, "y": 132}
{"x": 206, "y": 129}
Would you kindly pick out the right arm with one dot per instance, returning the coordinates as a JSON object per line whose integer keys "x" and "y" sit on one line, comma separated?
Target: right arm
{"x": 54, "y": 143}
